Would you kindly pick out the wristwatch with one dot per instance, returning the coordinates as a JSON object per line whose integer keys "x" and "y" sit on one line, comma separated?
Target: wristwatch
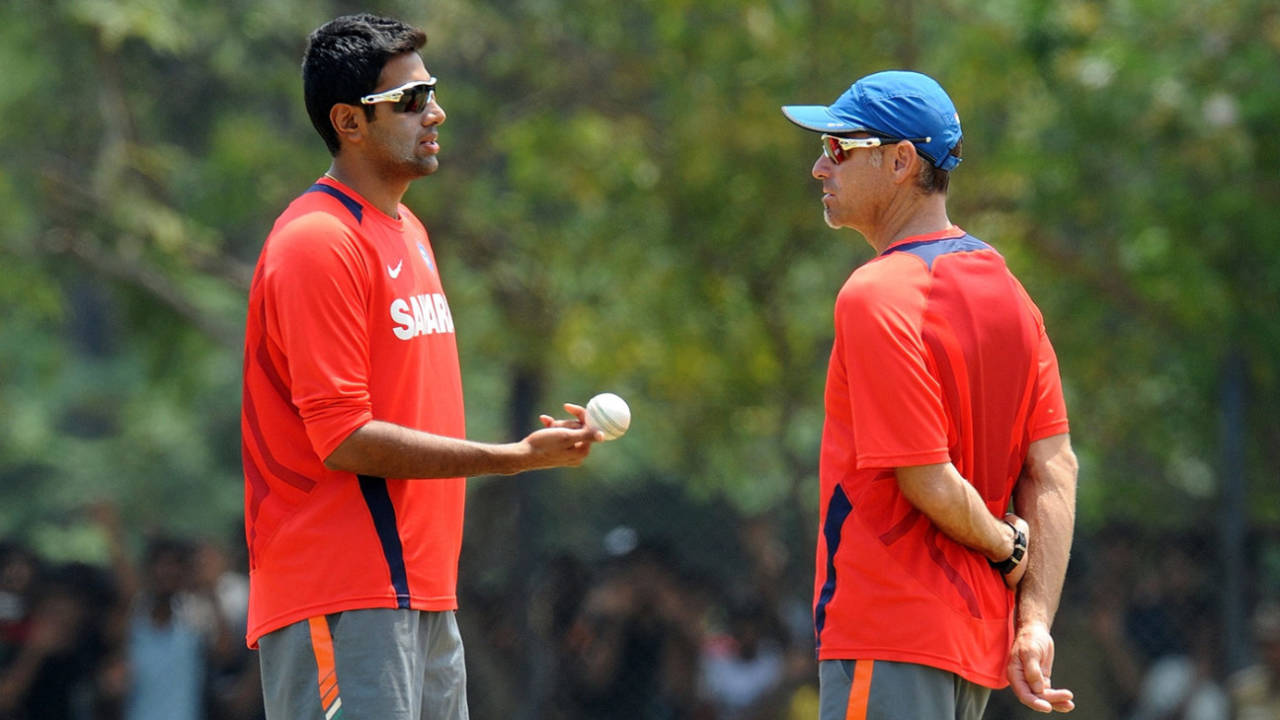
{"x": 1019, "y": 551}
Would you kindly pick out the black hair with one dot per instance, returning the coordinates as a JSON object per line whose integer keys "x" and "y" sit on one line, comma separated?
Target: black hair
{"x": 343, "y": 61}
{"x": 933, "y": 179}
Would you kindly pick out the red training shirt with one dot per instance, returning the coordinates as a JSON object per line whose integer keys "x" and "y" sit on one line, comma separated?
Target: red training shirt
{"x": 347, "y": 323}
{"x": 940, "y": 355}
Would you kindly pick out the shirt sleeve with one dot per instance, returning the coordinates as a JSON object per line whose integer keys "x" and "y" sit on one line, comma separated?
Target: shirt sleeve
{"x": 898, "y": 416}
{"x": 317, "y": 289}
{"x": 1049, "y": 412}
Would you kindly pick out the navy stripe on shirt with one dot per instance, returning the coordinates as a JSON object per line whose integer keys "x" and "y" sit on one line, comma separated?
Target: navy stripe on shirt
{"x": 384, "y": 522}
{"x": 838, "y": 509}
{"x": 351, "y": 203}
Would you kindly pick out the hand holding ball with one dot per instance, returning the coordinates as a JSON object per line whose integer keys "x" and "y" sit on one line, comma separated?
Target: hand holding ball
{"x": 609, "y": 414}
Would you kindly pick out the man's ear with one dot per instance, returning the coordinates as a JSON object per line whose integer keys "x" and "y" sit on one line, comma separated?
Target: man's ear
{"x": 904, "y": 158}
{"x": 348, "y": 121}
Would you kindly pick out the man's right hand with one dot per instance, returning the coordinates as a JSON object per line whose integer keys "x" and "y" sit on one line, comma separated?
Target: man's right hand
{"x": 557, "y": 447}
{"x": 561, "y": 442}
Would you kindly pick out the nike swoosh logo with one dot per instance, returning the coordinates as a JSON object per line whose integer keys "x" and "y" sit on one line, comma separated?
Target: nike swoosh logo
{"x": 394, "y": 272}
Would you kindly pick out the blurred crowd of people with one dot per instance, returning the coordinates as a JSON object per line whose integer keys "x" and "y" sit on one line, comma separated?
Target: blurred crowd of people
{"x": 163, "y": 638}
{"x": 640, "y": 635}
{"x": 636, "y": 635}
{"x": 1152, "y": 607}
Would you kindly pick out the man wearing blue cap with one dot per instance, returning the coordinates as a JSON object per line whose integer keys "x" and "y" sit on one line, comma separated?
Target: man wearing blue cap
{"x": 943, "y": 406}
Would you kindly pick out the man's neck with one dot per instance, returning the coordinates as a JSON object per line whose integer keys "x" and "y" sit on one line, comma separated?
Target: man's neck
{"x": 920, "y": 215}
{"x": 381, "y": 193}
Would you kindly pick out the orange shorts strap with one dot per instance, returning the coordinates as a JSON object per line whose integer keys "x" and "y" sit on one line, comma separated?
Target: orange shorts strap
{"x": 322, "y": 646}
{"x": 860, "y": 690}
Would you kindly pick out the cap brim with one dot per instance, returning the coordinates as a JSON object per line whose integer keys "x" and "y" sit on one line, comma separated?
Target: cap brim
{"x": 817, "y": 118}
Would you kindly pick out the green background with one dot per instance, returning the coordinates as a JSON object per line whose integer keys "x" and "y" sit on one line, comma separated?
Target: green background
{"x": 622, "y": 207}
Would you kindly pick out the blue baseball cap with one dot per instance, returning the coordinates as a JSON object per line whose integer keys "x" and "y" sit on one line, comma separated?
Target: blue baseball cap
{"x": 894, "y": 104}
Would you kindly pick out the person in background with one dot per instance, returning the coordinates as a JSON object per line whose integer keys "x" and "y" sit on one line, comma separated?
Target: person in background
{"x": 744, "y": 665}
{"x": 19, "y": 569}
{"x": 632, "y": 649}
{"x": 166, "y": 648}
{"x": 50, "y": 668}
{"x": 221, "y": 589}
{"x": 1255, "y": 690}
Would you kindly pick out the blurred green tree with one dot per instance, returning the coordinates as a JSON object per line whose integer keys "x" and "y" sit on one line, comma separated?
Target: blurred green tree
{"x": 622, "y": 207}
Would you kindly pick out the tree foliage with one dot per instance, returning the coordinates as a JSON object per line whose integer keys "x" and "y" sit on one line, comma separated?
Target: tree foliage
{"x": 622, "y": 207}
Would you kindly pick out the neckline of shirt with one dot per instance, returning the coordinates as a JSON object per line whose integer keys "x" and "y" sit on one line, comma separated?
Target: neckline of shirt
{"x": 368, "y": 207}
{"x": 945, "y": 234}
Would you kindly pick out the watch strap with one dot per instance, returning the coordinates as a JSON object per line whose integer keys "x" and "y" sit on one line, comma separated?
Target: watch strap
{"x": 1008, "y": 565}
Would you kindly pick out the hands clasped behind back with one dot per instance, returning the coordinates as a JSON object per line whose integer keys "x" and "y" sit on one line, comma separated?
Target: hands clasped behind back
{"x": 1015, "y": 576}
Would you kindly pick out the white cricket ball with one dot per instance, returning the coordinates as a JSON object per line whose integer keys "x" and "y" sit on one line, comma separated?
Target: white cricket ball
{"x": 609, "y": 414}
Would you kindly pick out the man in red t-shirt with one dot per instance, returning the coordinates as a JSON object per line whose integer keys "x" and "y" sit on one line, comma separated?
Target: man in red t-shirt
{"x": 943, "y": 405}
{"x": 352, "y": 417}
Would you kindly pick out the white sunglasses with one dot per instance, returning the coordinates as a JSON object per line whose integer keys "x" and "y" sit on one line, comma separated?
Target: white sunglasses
{"x": 837, "y": 148}
{"x": 412, "y": 97}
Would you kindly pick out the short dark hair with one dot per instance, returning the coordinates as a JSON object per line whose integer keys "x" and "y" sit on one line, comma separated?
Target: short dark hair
{"x": 343, "y": 60}
{"x": 933, "y": 179}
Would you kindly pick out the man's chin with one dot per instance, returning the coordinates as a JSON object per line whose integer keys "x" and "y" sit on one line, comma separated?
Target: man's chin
{"x": 428, "y": 166}
{"x": 417, "y": 165}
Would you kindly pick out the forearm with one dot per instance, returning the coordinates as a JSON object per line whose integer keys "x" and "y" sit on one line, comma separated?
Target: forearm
{"x": 382, "y": 449}
{"x": 956, "y": 507}
{"x": 1046, "y": 499}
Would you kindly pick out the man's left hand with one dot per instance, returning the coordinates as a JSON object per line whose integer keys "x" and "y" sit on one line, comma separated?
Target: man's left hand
{"x": 1030, "y": 665}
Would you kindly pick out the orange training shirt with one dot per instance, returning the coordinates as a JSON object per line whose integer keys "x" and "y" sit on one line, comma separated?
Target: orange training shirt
{"x": 939, "y": 356}
{"x": 347, "y": 323}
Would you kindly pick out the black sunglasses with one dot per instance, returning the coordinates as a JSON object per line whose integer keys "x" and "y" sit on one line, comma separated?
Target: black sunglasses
{"x": 412, "y": 97}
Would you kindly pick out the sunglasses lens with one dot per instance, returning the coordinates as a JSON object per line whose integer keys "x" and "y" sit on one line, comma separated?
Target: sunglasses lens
{"x": 831, "y": 147}
{"x": 415, "y": 99}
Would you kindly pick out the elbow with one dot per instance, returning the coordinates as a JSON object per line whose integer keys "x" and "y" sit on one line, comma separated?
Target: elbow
{"x": 346, "y": 457}
{"x": 922, "y": 489}
{"x": 1065, "y": 466}
{"x": 924, "y": 498}
{"x": 1070, "y": 463}
{"x": 339, "y": 460}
